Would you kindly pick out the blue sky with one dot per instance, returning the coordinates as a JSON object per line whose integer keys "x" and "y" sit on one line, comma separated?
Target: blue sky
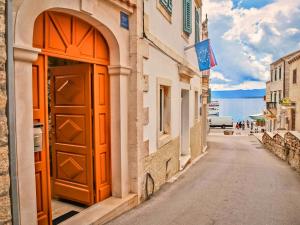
{"x": 248, "y": 35}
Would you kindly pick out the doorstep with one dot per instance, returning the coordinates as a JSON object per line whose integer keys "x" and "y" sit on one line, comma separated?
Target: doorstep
{"x": 104, "y": 211}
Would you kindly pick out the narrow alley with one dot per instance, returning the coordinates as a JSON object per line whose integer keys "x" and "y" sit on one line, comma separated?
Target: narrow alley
{"x": 237, "y": 182}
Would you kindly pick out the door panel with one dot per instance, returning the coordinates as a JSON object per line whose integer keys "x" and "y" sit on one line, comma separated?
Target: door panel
{"x": 71, "y": 112}
{"x": 101, "y": 133}
{"x": 43, "y": 196}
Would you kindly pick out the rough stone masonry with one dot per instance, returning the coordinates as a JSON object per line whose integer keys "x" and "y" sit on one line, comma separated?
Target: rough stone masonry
{"x": 5, "y": 209}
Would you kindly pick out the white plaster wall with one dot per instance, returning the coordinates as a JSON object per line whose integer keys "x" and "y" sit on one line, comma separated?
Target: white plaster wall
{"x": 160, "y": 65}
{"x": 171, "y": 33}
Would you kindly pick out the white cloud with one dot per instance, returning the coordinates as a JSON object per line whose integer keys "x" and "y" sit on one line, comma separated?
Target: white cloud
{"x": 246, "y": 41}
{"x": 292, "y": 31}
{"x": 218, "y": 76}
{"x": 247, "y": 85}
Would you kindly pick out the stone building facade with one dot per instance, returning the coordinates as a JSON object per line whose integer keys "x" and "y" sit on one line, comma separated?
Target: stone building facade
{"x": 5, "y": 206}
{"x": 293, "y": 113}
{"x": 277, "y": 89}
{"x": 148, "y": 116}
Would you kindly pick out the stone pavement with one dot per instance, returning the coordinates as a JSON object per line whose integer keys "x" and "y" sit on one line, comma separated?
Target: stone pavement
{"x": 238, "y": 182}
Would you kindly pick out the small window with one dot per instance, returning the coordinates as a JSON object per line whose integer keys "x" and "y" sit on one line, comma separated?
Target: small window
{"x": 167, "y": 4}
{"x": 163, "y": 113}
{"x": 275, "y": 77}
{"x": 275, "y": 96}
{"x": 279, "y": 73}
{"x": 161, "y": 109}
{"x": 295, "y": 76}
{"x": 279, "y": 96}
{"x": 187, "y": 16}
{"x": 200, "y": 104}
{"x": 164, "y": 109}
{"x": 271, "y": 75}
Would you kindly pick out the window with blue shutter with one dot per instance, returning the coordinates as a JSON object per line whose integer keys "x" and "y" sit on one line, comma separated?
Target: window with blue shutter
{"x": 187, "y": 16}
{"x": 197, "y": 25}
{"x": 167, "y": 4}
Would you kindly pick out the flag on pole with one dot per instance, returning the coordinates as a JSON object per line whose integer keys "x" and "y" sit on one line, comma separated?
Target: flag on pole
{"x": 205, "y": 55}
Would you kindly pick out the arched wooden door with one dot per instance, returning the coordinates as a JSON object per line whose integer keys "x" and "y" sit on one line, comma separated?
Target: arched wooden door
{"x": 80, "y": 133}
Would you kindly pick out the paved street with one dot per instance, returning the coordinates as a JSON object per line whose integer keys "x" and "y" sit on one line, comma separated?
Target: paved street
{"x": 237, "y": 182}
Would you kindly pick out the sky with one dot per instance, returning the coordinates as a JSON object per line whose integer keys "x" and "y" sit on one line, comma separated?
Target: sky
{"x": 247, "y": 36}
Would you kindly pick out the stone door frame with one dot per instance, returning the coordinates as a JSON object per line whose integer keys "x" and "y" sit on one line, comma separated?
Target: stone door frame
{"x": 25, "y": 54}
{"x": 185, "y": 154}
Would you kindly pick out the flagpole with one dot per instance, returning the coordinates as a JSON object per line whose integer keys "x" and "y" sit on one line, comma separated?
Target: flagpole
{"x": 192, "y": 46}
{"x": 189, "y": 47}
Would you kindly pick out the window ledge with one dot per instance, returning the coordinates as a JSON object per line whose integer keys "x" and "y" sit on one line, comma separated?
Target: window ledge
{"x": 185, "y": 36}
{"x": 163, "y": 140}
{"x": 164, "y": 12}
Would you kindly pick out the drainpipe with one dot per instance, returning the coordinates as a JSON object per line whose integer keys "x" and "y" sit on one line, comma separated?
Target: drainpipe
{"x": 11, "y": 112}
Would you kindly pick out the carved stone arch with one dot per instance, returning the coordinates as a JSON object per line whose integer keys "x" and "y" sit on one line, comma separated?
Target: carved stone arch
{"x": 26, "y": 16}
{"x": 70, "y": 37}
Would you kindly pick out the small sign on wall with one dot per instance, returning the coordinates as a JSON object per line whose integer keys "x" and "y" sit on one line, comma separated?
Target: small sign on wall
{"x": 124, "y": 20}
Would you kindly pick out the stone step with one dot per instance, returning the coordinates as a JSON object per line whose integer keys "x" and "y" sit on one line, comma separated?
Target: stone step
{"x": 104, "y": 211}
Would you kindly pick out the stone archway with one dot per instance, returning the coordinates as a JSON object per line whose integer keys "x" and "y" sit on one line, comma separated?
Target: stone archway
{"x": 25, "y": 54}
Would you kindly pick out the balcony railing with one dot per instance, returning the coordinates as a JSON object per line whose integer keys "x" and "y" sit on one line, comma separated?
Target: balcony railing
{"x": 271, "y": 105}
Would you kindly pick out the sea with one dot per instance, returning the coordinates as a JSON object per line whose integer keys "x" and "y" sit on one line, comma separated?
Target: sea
{"x": 240, "y": 108}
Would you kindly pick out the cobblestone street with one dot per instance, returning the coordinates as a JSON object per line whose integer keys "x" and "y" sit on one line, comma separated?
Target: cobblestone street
{"x": 237, "y": 182}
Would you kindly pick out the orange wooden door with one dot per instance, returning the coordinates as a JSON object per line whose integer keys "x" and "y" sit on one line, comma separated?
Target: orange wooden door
{"x": 42, "y": 179}
{"x": 101, "y": 133}
{"x": 71, "y": 115}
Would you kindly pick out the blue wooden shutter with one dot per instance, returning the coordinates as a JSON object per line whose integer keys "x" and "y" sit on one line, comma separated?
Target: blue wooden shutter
{"x": 197, "y": 25}
{"x": 187, "y": 16}
{"x": 167, "y": 4}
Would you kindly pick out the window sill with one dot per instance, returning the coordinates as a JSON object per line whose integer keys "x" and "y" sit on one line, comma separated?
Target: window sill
{"x": 163, "y": 140}
{"x": 185, "y": 36}
{"x": 164, "y": 12}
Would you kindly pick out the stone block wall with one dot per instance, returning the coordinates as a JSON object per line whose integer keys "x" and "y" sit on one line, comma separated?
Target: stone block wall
{"x": 268, "y": 141}
{"x": 285, "y": 146}
{"x": 5, "y": 208}
{"x": 195, "y": 136}
{"x": 161, "y": 165}
{"x": 293, "y": 147}
{"x": 279, "y": 148}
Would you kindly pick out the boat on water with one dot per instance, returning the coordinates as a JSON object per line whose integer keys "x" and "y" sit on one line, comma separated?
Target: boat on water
{"x": 214, "y": 108}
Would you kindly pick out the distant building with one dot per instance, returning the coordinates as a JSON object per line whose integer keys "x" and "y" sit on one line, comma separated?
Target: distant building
{"x": 293, "y": 108}
{"x": 214, "y": 108}
{"x": 278, "y": 89}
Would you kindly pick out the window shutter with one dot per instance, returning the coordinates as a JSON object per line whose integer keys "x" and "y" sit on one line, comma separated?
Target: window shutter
{"x": 167, "y": 4}
{"x": 187, "y": 16}
{"x": 197, "y": 25}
